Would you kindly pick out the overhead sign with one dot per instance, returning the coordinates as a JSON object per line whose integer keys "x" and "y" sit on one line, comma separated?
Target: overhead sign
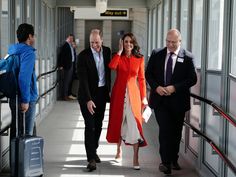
{"x": 91, "y": 13}
{"x": 115, "y": 13}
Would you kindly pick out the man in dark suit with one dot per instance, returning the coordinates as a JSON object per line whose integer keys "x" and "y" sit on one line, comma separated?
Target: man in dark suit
{"x": 170, "y": 73}
{"x": 94, "y": 87}
{"x": 66, "y": 61}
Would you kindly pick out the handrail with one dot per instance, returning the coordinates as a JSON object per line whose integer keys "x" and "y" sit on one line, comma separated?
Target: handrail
{"x": 213, "y": 145}
{"x": 38, "y": 77}
{"x": 42, "y": 95}
{"x": 227, "y": 117}
{"x": 4, "y": 129}
{"x": 217, "y": 108}
{"x": 45, "y": 93}
{"x": 46, "y": 73}
{"x": 49, "y": 90}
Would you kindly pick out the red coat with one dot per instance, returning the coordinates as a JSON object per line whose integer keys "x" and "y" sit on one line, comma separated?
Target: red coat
{"x": 130, "y": 75}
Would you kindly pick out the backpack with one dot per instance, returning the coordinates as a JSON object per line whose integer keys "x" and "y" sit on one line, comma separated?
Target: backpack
{"x": 9, "y": 70}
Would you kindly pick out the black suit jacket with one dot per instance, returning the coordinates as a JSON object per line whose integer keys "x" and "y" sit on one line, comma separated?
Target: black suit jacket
{"x": 184, "y": 76}
{"x": 65, "y": 56}
{"x": 88, "y": 74}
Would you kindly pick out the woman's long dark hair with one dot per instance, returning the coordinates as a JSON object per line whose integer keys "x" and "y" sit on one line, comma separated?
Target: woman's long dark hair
{"x": 136, "y": 50}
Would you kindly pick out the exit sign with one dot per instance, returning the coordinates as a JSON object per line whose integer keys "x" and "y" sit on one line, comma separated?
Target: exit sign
{"x": 115, "y": 13}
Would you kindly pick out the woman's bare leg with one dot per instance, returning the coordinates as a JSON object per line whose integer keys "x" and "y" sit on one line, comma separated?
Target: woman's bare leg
{"x": 118, "y": 151}
{"x": 135, "y": 158}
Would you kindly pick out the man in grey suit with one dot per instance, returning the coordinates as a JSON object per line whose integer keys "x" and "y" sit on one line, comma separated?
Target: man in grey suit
{"x": 94, "y": 87}
{"x": 170, "y": 73}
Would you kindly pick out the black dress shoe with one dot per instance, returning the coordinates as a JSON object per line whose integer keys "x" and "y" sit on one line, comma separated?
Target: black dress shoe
{"x": 97, "y": 159}
{"x": 92, "y": 165}
{"x": 165, "y": 169}
{"x": 175, "y": 166}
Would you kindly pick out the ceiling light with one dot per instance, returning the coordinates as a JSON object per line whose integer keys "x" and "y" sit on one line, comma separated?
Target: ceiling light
{"x": 101, "y": 6}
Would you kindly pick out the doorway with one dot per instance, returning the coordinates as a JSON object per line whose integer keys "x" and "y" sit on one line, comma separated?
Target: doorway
{"x": 89, "y": 25}
{"x": 119, "y": 28}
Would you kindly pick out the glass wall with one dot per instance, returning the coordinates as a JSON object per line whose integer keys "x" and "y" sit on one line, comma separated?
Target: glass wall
{"x": 166, "y": 19}
{"x": 204, "y": 26}
{"x": 232, "y": 94}
{"x": 4, "y": 42}
{"x": 159, "y": 27}
{"x": 195, "y": 117}
{"x": 154, "y": 31}
{"x": 233, "y": 51}
{"x": 18, "y": 12}
{"x": 197, "y": 31}
{"x": 13, "y": 13}
{"x": 212, "y": 118}
{"x": 43, "y": 20}
{"x": 149, "y": 32}
{"x": 30, "y": 11}
{"x": 184, "y": 15}
{"x": 215, "y": 34}
{"x": 232, "y": 130}
{"x": 174, "y": 14}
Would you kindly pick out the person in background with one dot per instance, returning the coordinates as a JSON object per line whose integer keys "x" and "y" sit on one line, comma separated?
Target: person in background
{"x": 65, "y": 63}
{"x": 72, "y": 88}
{"x": 170, "y": 73}
{"x": 127, "y": 98}
{"x": 94, "y": 87}
{"x": 28, "y": 92}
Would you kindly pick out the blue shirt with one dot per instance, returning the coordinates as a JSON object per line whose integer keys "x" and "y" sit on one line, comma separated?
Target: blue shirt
{"x": 98, "y": 58}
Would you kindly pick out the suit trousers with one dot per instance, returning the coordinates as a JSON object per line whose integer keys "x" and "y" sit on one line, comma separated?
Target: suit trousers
{"x": 93, "y": 123}
{"x": 170, "y": 132}
{"x": 67, "y": 81}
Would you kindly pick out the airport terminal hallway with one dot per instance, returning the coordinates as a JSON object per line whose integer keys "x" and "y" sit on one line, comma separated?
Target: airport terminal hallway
{"x": 64, "y": 152}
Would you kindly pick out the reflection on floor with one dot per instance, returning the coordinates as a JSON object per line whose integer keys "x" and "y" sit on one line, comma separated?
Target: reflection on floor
{"x": 64, "y": 153}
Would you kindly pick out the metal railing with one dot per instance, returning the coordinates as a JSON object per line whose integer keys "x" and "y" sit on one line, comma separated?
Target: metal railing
{"x": 217, "y": 108}
{"x": 206, "y": 138}
{"x": 46, "y": 73}
{"x": 50, "y": 89}
{"x": 40, "y": 96}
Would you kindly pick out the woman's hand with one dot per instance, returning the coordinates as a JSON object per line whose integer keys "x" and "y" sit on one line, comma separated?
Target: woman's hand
{"x": 120, "y": 47}
{"x": 144, "y": 103}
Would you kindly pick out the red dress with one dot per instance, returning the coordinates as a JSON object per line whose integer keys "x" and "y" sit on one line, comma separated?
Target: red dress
{"x": 130, "y": 75}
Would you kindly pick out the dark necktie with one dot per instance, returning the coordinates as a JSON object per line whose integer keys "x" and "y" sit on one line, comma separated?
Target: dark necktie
{"x": 169, "y": 69}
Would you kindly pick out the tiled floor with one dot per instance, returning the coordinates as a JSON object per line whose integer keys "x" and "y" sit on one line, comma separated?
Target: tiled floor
{"x": 64, "y": 153}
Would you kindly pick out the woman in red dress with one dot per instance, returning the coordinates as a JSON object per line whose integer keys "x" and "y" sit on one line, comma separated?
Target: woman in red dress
{"x": 128, "y": 97}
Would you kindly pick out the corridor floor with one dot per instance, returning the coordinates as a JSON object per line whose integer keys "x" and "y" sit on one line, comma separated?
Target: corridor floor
{"x": 64, "y": 152}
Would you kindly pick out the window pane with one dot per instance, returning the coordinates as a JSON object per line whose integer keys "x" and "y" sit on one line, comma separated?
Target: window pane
{"x": 30, "y": 11}
{"x": 215, "y": 34}
{"x": 159, "y": 27}
{"x": 232, "y": 131}
{"x": 212, "y": 120}
{"x": 166, "y": 18}
{"x": 197, "y": 31}
{"x": 233, "y": 53}
{"x": 17, "y": 17}
{"x": 4, "y": 28}
{"x": 174, "y": 14}
{"x": 154, "y": 27}
{"x": 184, "y": 22}
{"x": 232, "y": 98}
{"x": 149, "y": 33}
